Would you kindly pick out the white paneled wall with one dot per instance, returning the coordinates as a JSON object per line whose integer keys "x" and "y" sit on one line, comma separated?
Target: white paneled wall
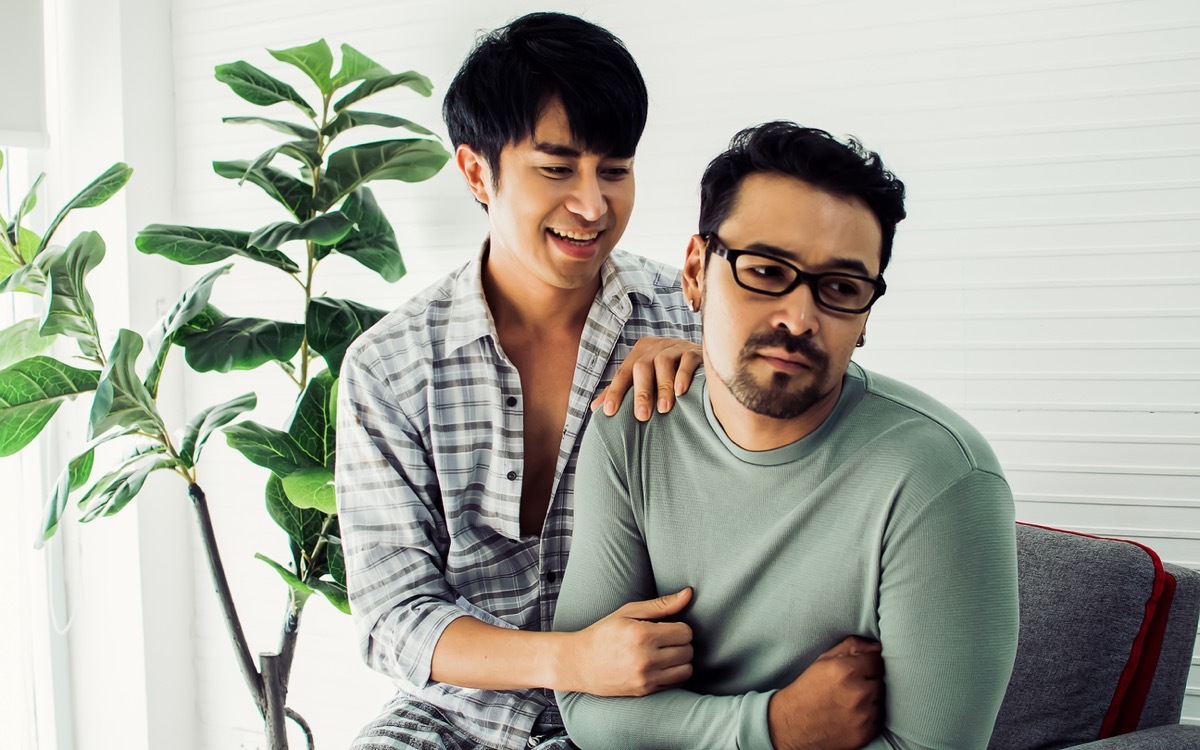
{"x": 1046, "y": 283}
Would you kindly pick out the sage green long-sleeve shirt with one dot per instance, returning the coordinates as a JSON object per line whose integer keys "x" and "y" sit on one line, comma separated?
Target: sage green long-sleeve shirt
{"x": 891, "y": 521}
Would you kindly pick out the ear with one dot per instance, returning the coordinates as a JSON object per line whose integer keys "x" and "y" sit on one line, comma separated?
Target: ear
{"x": 477, "y": 172}
{"x": 693, "y": 270}
{"x": 862, "y": 334}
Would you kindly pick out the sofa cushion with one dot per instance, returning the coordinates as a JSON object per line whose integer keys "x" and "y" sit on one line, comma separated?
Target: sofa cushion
{"x": 1091, "y": 608}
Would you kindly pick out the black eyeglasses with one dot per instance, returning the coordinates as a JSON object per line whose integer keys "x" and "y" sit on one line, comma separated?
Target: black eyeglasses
{"x": 767, "y": 274}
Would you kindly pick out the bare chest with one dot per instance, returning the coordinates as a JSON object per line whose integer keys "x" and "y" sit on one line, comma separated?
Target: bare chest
{"x": 547, "y": 369}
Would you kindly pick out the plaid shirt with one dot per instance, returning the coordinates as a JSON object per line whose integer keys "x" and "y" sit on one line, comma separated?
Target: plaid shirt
{"x": 429, "y": 471}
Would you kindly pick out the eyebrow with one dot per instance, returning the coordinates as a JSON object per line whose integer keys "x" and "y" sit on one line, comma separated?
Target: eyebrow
{"x": 845, "y": 264}
{"x": 557, "y": 149}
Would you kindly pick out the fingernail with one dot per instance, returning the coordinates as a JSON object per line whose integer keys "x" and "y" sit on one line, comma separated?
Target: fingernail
{"x": 662, "y": 406}
{"x": 610, "y": 408}
{"x": 643, "y": 412}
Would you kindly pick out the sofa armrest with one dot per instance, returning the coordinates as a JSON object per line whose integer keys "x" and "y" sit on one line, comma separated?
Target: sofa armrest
{"x": 1172, "y": 737}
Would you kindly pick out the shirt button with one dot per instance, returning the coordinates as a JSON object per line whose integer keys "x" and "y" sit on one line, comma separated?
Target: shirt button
{"x": 511, "y": 401}
{"x": 511, "y": 475}
{"x": 551, "y": 576}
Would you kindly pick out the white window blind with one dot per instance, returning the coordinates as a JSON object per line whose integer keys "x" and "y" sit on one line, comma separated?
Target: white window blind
{"x": 23, "y": 116}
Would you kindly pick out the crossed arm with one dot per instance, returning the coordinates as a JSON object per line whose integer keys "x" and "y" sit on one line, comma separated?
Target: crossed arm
{"x": 948, "y": 639}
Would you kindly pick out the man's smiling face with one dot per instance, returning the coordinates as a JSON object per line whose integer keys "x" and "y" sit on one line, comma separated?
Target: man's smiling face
{"x": 557, "y": 210}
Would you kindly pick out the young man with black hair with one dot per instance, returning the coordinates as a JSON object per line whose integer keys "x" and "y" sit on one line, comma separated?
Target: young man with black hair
{"x": 802, "y": 497}
{"x": 460, "y": 413}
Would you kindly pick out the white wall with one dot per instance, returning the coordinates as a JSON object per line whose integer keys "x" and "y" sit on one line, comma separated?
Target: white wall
{"x": 1045, "y": 284}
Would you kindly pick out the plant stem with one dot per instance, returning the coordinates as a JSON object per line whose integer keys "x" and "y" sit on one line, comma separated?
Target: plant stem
{"x": 315, "y": 558}
{"x": 275, "y": 694}
{"x": 254, "y": 681}
{"x": 308, "y": 735}
{"x": 287, "y": 640}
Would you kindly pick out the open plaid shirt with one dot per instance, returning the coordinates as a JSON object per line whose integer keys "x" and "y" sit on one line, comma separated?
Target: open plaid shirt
{"x": 429, "y": 471}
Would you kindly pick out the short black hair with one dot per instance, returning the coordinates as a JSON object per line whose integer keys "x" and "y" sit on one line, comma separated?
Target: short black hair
{"x": 515, "y": 71}
{"x": 808, "y": 154}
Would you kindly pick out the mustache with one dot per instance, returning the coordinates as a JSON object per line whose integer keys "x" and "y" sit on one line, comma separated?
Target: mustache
{"x": 778, "y": 337}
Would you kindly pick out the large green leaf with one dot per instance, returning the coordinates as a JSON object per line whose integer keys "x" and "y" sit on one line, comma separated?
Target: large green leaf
{"x": 405, "y": 159}
{"x": 196, "y": 246}
{"x": 208, "y": 421}
{"x": 311, "y": 427}
{"x": 31, "y": 392}
{"x": 114, "y": 490}
{"x": 326, "y": 229}
{"x": 22, "y": 341}
{"x": 357, "y": 67}
{"x": 240, "y": 344}
{"x": 302, "y": 525}
{"x": 335, "y": 563}
{"x": 8, "y": 264}
{"x": 311, "y": 489}
{"x": 333, "y": 324}
{"x": 410, "y": 79}
{"x": 122, "y": 399}
{"x": 28, "y": 279}
{"x": 301, "y": 590}
{"x": 269, "y": 448}
{"x": 73, "y": 477}
{"x": 68, "y": 306}
{"x": 353, "y": 119}
{"x": 305, "y": 152}
{"x": 282, "y": 126}
{"x": 96, "y": 193}
{"x": 373, "y": 242}
{"x": 191, "y": 304}
{"x": 29, "y": 201}
{"x": 257, "y": 87}
{"x": 314, "y": 60}
{"x": 334, "y": 593}
{"x": 293, "y": 194}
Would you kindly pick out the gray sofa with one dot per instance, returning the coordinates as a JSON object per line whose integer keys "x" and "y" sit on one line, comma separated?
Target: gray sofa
{"x": 1105, "y": 645}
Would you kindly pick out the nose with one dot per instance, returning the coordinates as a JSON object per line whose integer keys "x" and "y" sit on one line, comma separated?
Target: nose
{"x": 798, "y": 311}
{"x": 587, "y": 199}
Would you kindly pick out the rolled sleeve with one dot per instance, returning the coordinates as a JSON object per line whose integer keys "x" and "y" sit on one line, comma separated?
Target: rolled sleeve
{"x": 392, "y": 535}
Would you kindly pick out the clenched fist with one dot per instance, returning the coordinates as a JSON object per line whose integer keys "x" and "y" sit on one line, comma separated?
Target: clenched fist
{"x": 629, "y": 652}
{"x": 834, "y": 704}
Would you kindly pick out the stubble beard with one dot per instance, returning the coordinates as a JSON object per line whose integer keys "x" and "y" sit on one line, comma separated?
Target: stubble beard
{"x": 776, "y": 399}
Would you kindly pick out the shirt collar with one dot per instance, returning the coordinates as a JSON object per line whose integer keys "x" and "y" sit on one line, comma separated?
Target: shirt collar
{"x": 622, "y": 278}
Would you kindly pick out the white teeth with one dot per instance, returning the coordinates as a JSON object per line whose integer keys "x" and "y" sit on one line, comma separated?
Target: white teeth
{"x": 577, "y": 236}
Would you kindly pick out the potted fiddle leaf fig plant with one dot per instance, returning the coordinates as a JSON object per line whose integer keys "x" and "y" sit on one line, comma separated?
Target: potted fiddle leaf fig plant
{"x": 327, "y": 208}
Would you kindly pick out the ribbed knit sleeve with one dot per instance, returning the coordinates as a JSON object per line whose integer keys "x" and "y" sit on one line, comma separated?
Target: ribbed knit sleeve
{"x": 948, "y": 614}
{"x": 609, "y": 566}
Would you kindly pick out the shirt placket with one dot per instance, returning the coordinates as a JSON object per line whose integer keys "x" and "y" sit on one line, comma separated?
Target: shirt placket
{"x": 601, "y": 335}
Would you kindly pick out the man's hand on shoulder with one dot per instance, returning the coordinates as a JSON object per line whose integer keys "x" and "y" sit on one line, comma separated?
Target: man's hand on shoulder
{"x": 629, "y": 653}
{"x": 835, "y": 704}
{"x": 658, "y": 369}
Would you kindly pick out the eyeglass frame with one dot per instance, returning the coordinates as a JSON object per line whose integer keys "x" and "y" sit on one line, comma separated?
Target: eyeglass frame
{"x": 811, "y": 280}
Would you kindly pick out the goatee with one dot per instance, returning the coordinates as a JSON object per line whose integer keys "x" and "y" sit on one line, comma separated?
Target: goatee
{"x": 774, "y": 399}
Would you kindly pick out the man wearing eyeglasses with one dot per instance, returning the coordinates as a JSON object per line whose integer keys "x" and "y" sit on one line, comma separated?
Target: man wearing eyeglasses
{"x": 813, "y": 506}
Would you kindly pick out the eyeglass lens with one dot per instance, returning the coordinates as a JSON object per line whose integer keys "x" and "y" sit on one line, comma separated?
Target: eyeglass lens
{"x": 835, "y": 290}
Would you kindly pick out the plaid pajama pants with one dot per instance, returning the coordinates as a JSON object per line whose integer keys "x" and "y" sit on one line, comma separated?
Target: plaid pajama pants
{"x": 415, "y": 725}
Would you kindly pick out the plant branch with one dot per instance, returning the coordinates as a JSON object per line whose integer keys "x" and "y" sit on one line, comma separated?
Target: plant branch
{"x": 291, "y": 377}
{"x": 276, "y": 696}
{"x": 233, "y": 625}
{"x": 308, "y": 735}
{"x": 315, "y": 558}
{"x": 287, "y": 641}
